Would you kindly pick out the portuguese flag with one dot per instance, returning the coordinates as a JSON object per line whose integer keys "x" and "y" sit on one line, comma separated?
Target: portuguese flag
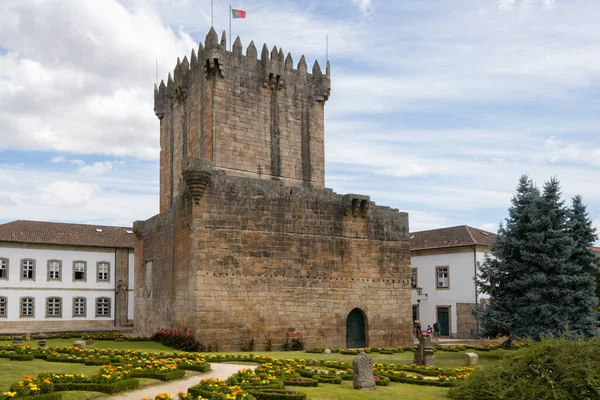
{"x": 238, "y": 13}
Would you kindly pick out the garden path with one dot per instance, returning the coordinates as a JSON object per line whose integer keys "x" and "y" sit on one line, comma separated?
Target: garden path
{"x": 217, "y": 370}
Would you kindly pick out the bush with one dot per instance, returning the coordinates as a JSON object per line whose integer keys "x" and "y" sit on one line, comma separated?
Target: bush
{"x": 21, "y": 357}
{"x": 195, "y": 367}
{"x": 305, "y": 382}
{"x": 161, "y": 376}
{"x": 555, "y": 368}
{"x": 183, "y": 340}
{"x": 115, "y": 387}
{"x": 46, "y": 396}
{"x": 278, "y": 395}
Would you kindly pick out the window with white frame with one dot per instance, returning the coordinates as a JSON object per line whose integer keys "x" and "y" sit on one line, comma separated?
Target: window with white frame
{"x": 79, "y": 270}
{"x": 54, "y": 270}
{"x": 3, "y": 268}
{"x": 443, "y": 277}
{"x": 3, "y": 302}
{"x": 53, "y": 307}
{"x": 79, "y": 307}
{"x": 27, "y": 269}
{"x": 103, "y": 307}
{"x": 103, "y": 271}
{"x": 27, "y": 306}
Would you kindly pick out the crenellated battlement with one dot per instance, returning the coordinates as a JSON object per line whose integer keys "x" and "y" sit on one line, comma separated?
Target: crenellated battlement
{"x": 249, "y": 115}
{"x": 214, "y": 57}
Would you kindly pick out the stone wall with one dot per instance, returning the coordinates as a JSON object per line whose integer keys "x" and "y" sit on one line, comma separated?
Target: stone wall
{"x": 249, "y": 257}
{"x": 465, "y": 320}
{"x": 252, "y": 117}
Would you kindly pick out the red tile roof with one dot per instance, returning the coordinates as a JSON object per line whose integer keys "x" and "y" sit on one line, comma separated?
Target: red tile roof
{"x": 596, "y": 250}
{"x": 456, "y": 236}
{"x": 39, "y": 232}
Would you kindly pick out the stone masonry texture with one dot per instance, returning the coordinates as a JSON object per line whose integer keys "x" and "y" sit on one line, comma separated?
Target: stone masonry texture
{"x": 249, "y": 242}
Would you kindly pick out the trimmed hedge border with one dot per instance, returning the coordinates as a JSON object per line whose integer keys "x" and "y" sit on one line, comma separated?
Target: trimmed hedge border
{"x": 328, "y": 379}
{"x": 382, "y": 381}
{"x": 115, "y": 387}
{"x": 277, "y": 395}
{"x": 169, "y": 376}
{"x": 199, "y": 368}
{"x": 21, "y": 357}
{"x": 304, "y": 382}
{"x": 45, "y": 396}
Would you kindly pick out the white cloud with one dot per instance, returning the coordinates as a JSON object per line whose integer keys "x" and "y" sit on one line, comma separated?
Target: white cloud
{"x": 365, "y": 6}
{"x": 97, "y": 168}
{"x": 57, "y": 160}
{"x": 6, "y": 201}
{"x": 77, "y": 162}
{"x": 489, "y": 227}
{"x": 65, "y": 194}
{"x": 510, "y": 4}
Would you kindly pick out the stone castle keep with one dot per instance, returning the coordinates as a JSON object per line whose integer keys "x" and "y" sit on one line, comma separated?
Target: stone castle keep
{"x": 249, "y": 241}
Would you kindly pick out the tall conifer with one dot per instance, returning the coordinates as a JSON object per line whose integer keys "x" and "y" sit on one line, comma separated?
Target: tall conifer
{"x": 580, "y": 227}
{"x": 540, "y": 277}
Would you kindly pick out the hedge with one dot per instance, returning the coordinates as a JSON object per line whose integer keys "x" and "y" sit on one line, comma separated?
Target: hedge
{"x": 114, "y": 387}
{"x": 45, "y": 396}
{"x": 277, "y": 395}
{"x": 21, "y": 357}
{"x": 328, "y": 379}
{"x": 168, "y": 376}
{"x": 195, "y": 367}
{"x": 301, "y": 382}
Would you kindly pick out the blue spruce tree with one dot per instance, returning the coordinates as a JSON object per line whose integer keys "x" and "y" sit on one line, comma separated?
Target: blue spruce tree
{"x": 499, "y": 275}
{"x": 583, "y": 317}
{"x": 540, "y": 278}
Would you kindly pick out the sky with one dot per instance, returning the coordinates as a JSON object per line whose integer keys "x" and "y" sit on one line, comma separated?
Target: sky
{"x": 437, "y": 106}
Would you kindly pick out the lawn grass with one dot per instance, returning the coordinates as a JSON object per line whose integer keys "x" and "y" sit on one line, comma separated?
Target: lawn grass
{"x": 393, "y": 392}
{"x": 13, "y": 371}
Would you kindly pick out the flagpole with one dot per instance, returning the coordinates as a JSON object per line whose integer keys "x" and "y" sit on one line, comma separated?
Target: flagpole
{"x": 212, "y": 15}
{"x": 327, "y": 47}
{"x": 229, "y": 28}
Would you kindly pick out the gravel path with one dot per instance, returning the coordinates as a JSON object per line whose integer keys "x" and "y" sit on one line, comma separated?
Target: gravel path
{"x": 217, "y": 370}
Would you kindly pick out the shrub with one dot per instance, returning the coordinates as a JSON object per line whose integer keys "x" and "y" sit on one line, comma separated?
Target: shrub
{"x": 114, "y": 387}
{"x": 278, "y": 395}
{"x": 317, "y": 350}
{"x": 183, "y": 340}
{"x": 305, "y": 382}
{"x": 161, "y": 376}
{"x": 555, "y": 368}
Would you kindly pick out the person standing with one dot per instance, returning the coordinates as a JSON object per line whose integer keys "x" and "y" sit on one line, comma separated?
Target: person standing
{"x": 436, "y": 331}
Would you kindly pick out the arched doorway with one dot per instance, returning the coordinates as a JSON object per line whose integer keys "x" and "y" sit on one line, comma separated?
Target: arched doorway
{"x": 355, "y": 329}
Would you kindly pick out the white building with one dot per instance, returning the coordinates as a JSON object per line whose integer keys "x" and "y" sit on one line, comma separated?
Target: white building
{"x": 65, "y": 277}
{"x": 444, "y": 265}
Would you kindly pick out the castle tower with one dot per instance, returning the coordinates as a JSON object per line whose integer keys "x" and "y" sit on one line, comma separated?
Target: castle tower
{"x": 248, "y": 241}
{"x": 250, "y": 117}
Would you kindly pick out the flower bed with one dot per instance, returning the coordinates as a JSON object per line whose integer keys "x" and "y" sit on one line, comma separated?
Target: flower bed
{"x": 336, "y": 380}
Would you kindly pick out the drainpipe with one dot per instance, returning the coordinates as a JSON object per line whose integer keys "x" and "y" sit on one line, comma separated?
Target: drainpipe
{"x": 475, "y": 283}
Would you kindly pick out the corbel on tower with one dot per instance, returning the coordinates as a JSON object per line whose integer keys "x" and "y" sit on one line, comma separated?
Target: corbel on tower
{"x": 273, "y": 67}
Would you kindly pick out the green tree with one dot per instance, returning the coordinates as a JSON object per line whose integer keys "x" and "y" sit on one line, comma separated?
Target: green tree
{"x": 536, "y": 279}
{"x": 584, "y": 261}
{"x": 497, "y": 274}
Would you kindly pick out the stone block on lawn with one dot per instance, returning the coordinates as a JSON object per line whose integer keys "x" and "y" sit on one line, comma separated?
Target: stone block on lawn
{"x": 471, "y": 359}
{"x": 79, "y": 344}
{"x": 327, "y": 351}
{"x": 362, "y": 367}
{"x": 17, "y": 340}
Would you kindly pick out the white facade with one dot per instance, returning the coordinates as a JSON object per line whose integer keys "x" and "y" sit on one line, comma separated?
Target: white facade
{"x": 98, "y": 288}
{"x": 452, "y": 290}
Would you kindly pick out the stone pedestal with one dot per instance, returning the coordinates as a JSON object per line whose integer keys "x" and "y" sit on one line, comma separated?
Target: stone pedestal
{"x": 17, "y": 341}
{"x": 42, "y": 343}
{"x": 79, "y": 344}
{"x": 362, "y": 367}
{"x": 471, "y": 360}
{"x": 424, "y": 352}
